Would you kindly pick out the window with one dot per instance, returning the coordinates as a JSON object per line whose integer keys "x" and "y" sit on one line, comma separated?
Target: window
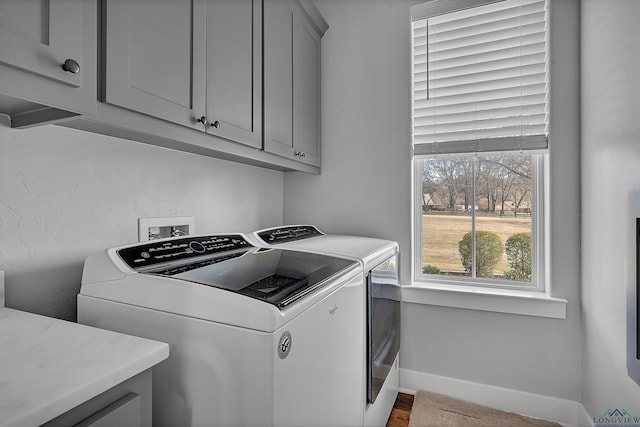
{"x": 480, "y": 125}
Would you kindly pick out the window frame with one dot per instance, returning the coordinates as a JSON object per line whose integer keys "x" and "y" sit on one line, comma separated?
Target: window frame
{"x": 539, "y": 194}
{"x": 538, "y": 232}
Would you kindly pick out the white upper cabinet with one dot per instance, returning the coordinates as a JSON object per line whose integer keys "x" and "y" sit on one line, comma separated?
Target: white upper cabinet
{"x": 193, "y": 62}
{"x": 48, "y": 54}
{"x": 292, "y": 81}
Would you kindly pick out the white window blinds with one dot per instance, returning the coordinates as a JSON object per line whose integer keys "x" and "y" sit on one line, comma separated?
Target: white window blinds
{"x": 480, "y": 78}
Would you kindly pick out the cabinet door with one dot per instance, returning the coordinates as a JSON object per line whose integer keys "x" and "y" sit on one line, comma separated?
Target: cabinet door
{"x": 278, "y": 77}
{"x": 155, "y": 58}
{"x": 234, "y": 70}
{"x": 306, "y": 91}
{"x": 39, "y": 36}
{"x": 292, "y": 83}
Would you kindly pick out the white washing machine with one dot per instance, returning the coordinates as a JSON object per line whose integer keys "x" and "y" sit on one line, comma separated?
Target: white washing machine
{"x": 258, "y": 337}
{"x": 382, "y": 294}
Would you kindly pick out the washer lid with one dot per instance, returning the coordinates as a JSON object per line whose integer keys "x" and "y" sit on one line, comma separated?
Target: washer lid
{"x": 275, "y": 276}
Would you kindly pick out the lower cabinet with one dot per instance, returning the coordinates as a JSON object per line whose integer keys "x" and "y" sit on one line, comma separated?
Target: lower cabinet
{"x": 127, "y": 404}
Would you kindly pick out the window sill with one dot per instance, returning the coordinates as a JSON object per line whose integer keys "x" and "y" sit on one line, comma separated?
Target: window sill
{"x": 526, "y": 303}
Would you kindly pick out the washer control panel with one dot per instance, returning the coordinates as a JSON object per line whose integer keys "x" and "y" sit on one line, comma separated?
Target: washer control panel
{"x": 289, "y": 233}
{"x": 157, "y": 252}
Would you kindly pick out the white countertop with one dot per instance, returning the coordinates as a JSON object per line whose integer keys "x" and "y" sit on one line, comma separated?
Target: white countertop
{"x": 49, "y": 366}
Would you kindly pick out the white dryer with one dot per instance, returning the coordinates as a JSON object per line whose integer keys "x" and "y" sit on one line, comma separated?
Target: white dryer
{"x": 382, "y": 294}
{"x": 258, "y": 337}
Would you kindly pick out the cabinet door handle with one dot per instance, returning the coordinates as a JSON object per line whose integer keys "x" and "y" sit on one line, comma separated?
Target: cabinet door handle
{"x": 203, "y": 120}
{"x": 216, "y": 124}
{"x": 71, "y": 66}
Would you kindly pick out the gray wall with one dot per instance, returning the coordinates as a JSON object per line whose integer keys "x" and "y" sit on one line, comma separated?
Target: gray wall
{"x": 65, "y": 193}
{"x": 365, "y": 189}
{"x": 610, "y": 177}
{"x": 366, "y": 127}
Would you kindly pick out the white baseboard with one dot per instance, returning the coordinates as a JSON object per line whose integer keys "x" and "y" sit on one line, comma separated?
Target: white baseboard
{"x": 564, "y": 411}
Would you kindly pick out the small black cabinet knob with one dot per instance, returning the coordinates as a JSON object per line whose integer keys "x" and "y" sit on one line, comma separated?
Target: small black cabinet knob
{"x": 71, "y": 66}
{"x": 203, "y": 120}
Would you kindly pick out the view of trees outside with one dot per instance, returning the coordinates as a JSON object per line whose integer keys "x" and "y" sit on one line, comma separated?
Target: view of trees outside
{"x": 502, "y": 205}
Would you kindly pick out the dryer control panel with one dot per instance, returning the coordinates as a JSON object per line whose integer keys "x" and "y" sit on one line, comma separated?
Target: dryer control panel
{"x": 158, "y": 252}
{"x": 289, "y": 233}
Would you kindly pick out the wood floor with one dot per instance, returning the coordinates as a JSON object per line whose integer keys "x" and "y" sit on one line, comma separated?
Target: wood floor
{"x": 401, "y": 411}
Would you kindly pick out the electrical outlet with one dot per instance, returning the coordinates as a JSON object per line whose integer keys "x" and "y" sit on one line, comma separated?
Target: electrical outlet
{"x": 159, "y": 228}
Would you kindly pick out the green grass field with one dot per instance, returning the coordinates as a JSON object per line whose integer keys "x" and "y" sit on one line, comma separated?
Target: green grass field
{"x": 441, "y": 234}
